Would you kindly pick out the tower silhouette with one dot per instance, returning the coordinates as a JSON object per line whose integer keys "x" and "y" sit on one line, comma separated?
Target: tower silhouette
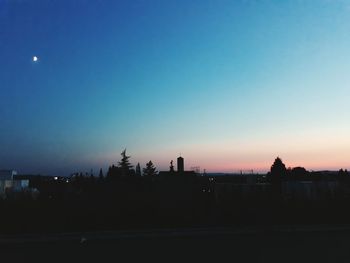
{"x": 180, "y": 165}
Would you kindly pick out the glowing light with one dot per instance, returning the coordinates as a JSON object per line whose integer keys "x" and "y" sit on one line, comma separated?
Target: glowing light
{"x": 35, "y": 58}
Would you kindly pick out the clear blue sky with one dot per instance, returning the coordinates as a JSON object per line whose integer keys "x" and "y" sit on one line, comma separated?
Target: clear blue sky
{"x": 228, "y": 84}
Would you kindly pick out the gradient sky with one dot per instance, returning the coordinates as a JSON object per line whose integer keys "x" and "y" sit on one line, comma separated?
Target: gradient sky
{"x": 228, "y": 84}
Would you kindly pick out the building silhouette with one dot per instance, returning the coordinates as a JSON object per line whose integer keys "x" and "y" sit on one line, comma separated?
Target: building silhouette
{"x": 9, "y": 183}
{"x": 180, "y": 165}
{"x": 180, "y": 169}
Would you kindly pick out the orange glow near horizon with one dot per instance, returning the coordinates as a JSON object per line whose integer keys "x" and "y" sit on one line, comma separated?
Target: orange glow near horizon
{"x": 311, "y": 149}
{"x": 234, "y": 162}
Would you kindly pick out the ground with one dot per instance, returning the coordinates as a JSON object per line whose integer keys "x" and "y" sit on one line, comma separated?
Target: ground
{"x": 270, "y": 244}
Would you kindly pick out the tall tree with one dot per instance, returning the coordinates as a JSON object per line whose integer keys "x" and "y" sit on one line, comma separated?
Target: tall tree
{"x": 150, "y": 170}
{"x": 138, "y": 170}
{"x": 124, "y": 164}
{"x": 278, "y": 170}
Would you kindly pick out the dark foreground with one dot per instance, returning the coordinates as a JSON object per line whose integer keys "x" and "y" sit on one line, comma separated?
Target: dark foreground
{"x": 272, "y": 244}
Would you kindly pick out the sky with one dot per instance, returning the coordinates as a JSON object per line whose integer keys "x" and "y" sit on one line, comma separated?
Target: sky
{"x": 229, "y": 85}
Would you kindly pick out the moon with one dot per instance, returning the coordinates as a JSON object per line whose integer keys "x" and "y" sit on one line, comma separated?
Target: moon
{"x": 35, "y": 58}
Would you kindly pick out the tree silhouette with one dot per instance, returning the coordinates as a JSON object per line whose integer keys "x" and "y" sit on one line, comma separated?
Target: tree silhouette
{"x": 113, "y": 172}
{"x": 100, "y": 176}
{"x": 124, "y": 164}
{"x": 171, "y": 166}
{"x": 278, "y": 170}
{"x": 150, "y": 170}
{"x": 138, "y": 170}
{"x": 298, "y": 173}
